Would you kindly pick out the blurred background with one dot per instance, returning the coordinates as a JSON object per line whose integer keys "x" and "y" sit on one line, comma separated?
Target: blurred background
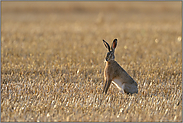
{"x": 93, "y": 12}
{"x": 58, "y": 22}
{"x": 121, "y": 11}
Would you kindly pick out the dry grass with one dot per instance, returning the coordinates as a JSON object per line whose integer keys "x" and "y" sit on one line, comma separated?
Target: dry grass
{"x": 52, "y": 61}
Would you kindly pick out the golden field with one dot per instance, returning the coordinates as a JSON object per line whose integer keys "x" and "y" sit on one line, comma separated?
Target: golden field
{"x": 52, "y": 61}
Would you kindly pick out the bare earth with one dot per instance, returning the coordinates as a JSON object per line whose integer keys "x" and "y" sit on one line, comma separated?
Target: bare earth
{"x": 52, "y": 61}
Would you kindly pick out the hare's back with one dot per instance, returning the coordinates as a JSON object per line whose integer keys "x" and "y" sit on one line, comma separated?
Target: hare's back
{"x": 117, "y": 72}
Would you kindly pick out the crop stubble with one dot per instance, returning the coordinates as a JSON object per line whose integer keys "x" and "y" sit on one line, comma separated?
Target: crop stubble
{"x": 52, "y": 60}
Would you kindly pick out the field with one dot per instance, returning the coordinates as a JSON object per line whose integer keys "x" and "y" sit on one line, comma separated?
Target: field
{"x": 52, "y": 61}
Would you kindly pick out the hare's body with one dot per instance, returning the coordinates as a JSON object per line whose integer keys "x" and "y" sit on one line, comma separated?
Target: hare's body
{"x": 114, "y": 73}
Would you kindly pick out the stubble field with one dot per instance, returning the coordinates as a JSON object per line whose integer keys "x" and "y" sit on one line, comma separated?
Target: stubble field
{"x": 52, "y": 61}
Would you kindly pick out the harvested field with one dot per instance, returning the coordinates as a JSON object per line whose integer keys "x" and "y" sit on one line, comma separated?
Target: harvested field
{"x": 52, "y": 61}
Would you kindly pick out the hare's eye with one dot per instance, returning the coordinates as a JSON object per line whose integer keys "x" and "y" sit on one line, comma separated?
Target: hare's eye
{"x": 108, "y": 54}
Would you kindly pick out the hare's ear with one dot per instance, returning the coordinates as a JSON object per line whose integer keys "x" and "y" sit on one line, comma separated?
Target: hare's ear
{"x": 114, "y": 44}
{"x": 106, "y": 45}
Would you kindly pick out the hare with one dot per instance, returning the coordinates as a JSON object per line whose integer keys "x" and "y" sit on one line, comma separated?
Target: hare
{"x": 114, "y": 73}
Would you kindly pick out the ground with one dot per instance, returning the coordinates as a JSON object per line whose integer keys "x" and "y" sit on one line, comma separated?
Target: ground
{"x": 52, "y": 61}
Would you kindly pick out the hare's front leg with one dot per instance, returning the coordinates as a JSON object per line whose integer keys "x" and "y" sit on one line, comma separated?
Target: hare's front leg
{"x": 107, "y": 84}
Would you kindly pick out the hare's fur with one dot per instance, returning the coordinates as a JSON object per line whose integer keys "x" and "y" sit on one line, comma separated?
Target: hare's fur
{"x": 114, "y": 73}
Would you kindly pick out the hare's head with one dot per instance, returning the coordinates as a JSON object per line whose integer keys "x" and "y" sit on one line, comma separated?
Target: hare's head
{"x": 110, "y": 54}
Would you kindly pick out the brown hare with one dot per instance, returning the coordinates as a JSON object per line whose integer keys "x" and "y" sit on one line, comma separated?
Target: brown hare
{"x": 114, "y": 73}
